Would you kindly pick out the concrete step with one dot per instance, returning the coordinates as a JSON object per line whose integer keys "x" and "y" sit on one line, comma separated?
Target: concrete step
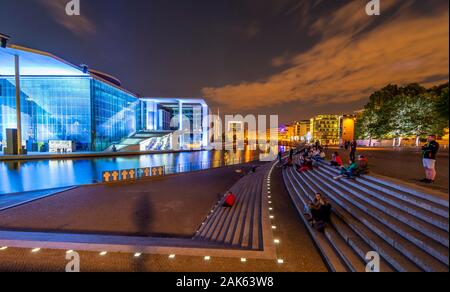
{"x": 424, "y": 201}
{"x": 345, "y": 201}
{"x": 390, "y": 218}
{"x": 224, "y": 225}
{"x": 217, "y": 213}
{"x": 381, "y": 199}
{"x": 390, "y": 254}
{"x": 241, "y": 225}
{"x": 331, "y": 257}
{"x": 356, "y": 243}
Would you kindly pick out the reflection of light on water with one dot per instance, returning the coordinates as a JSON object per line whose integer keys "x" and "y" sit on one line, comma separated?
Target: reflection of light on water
{"x": 37, "y": 175}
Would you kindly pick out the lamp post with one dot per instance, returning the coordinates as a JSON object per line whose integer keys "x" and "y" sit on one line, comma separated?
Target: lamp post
{"x": 18, "y": 113}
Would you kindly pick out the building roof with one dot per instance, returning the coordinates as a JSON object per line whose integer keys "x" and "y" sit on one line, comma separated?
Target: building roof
{"x": 175, "y": 100}
{"x": 35, "y": 63}
{"x": 38, "y": 63}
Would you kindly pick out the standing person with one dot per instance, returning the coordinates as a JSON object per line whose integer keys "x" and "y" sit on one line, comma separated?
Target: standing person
{"x": 353, "y": 146}
{"x": 291, "y": 154}
{"x": 280, "y": 157}
{"x": 429, "y": 153}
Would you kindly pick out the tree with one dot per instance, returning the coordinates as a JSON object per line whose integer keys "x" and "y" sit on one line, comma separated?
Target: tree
{"x": 442, "y": 105}
{"x": 412, "y": 110}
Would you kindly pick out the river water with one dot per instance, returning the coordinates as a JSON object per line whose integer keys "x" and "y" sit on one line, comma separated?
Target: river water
{"x": 20, "y": 176}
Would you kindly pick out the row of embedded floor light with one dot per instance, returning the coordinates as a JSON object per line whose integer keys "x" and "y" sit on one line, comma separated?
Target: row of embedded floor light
{"x": 104, "y": 253}
{"x": 206, "y": 258}
{"x": 272, "y": 217}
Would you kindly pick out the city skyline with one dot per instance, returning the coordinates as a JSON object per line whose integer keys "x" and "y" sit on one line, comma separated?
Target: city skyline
{"x": 291, "y": 58}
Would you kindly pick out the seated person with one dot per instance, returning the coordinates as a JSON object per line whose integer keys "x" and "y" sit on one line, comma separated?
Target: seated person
{"x": 336, "y": 160}
{"x": 289, "y": 162}
{"x": 322, "y": 155}
{"x": 363, "y": 165}
{"x": 318, "y": 155}
{"x": 348, "y": 172}
{"x": 305, "y": 165}
{"x": 320, "y": 210}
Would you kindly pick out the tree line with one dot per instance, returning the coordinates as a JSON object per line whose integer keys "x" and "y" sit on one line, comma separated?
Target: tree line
{"x": 405, "y": 111}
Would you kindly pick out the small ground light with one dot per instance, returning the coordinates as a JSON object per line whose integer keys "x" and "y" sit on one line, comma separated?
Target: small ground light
{"x": 274, "y": 227}
{"x": 138, "y": 254}
{"x": 276, "y": 241}
{"x": 3, "y": 248}
{"x": 243, "y": 260}
{"x": 35, "y": 250}
{"x": 207, "y": 258}
{"x": 103, "y": 253}
{"x": 172, "y": 256}
{"x": 280, "y": 261}
{"x": 272, "y": 217}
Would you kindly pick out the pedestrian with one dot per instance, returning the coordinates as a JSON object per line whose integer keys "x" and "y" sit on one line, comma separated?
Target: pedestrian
{"x": 429, "y": 154}
{"x": 353, "y": 146}
{"x": 280, "y": 157}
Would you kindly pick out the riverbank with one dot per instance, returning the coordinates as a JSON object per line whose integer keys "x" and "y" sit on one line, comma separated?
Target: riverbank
{"x": 58, "y": 156}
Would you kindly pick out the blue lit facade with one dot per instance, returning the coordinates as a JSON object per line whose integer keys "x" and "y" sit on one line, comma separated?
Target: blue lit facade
{"x": 61, "y": 102}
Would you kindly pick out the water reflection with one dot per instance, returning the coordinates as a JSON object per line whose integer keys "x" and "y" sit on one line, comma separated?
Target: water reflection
{"x": 36, "y": 175}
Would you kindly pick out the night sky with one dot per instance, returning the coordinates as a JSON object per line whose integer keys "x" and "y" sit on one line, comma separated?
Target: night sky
{"x": 289, "y": 57}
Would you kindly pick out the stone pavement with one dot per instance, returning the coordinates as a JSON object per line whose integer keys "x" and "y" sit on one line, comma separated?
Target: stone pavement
{"x": 295, "y": 248}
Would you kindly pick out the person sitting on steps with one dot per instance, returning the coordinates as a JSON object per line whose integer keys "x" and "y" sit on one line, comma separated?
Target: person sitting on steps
{"x": 336, "y": 160}
{"x": 363, "y": 165}
{"x": 348, "y": 172}
{"x": 306, "y": 164}
{"x": 319, "y": 212}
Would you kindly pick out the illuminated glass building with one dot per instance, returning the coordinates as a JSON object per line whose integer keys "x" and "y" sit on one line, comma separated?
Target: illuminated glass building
{"x": 63, "y": 102}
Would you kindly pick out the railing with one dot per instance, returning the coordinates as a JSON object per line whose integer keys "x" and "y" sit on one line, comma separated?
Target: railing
{"x": 118, "y": 175}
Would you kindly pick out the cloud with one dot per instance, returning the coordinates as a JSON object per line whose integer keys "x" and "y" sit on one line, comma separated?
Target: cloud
{"x": 357, "y": 54}
{"x": 78, "y": 25}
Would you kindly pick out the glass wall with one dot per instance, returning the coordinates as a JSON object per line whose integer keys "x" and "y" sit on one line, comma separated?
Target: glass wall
{"x": 116, "y": 115}
{"x": 53, "y": 108}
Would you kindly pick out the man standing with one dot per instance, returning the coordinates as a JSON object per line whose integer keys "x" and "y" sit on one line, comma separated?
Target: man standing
{"x": 353, "y": 146}
{"x": 429, "y": 153}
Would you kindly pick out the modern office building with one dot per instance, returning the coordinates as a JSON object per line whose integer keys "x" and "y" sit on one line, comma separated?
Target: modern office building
{"x": 326, "y": 129}
{"x": 86, "y": 110}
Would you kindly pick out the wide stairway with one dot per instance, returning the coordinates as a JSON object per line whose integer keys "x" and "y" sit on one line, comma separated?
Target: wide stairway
{"x": 407, "y": 228}
{"x": 239, "y": 226}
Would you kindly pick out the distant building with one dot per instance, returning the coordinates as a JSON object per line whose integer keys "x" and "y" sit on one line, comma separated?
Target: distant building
{"x": 326, "y": 129}
{"x": 347, "y": 128}
{"x": 302, "y": 130}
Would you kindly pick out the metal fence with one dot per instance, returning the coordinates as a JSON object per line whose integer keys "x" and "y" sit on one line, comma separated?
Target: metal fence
{"x": 119, "y": 175}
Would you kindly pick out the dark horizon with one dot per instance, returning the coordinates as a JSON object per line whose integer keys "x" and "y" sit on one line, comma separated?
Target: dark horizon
{"x": 291, "y": 58}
